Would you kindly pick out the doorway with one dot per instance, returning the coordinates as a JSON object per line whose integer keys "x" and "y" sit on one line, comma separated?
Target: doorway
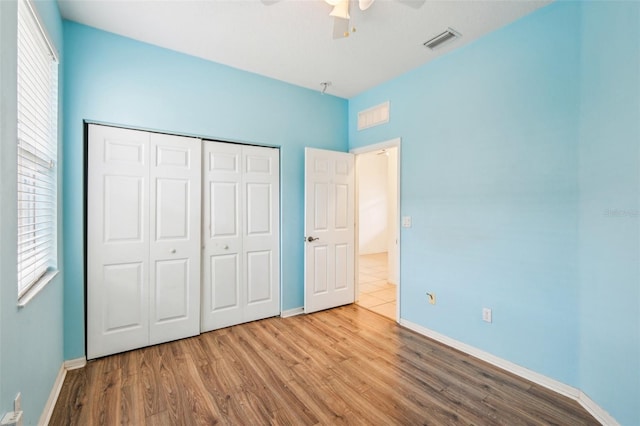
{"x": 377, "y": 237}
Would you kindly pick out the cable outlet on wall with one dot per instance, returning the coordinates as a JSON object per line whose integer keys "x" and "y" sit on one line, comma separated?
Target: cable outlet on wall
{"x": 486, "y": 314}
{"x": 432, "y": 298}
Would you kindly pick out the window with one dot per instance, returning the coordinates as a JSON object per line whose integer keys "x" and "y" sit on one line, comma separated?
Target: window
{"x": 37, "y": 153}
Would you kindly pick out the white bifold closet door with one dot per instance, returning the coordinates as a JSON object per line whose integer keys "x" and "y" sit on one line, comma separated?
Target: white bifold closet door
{"x": 143, "y": 239}
{"x": 241, "y": 244}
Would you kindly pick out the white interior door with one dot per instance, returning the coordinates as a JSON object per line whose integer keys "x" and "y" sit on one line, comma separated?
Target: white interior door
{"x": 241, "y": 254}
{"x": 117, "y": 240}
{"x": 174, "y": 249}
{"x": 329, "y": 229}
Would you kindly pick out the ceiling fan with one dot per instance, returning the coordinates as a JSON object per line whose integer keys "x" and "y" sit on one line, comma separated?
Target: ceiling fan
{"x": 341, "y": 16}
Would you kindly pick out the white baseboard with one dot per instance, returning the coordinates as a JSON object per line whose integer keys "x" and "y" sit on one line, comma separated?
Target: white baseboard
{"x": 53, "y": 397}
{"x": 74, "y": 364}
{"x": 71, "y": 364}
{"x": 569, "y": 391}
{"x": 596, "y": 411}
{"x": 292, "y": 312}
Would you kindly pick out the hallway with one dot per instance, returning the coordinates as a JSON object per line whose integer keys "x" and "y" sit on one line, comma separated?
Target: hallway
{"x": 375, "y": 293}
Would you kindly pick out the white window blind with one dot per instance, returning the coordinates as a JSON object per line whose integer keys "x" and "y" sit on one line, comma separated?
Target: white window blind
{"x": 37, "y": 150}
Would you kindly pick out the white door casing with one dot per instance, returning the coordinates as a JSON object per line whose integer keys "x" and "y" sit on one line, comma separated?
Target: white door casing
{"x": 393, "y": 222}
{"x": 143, "y": 239}
{"x": 393, "y": 147}
{"x": 241, "y": 243}
{"x": 329, "y": 229}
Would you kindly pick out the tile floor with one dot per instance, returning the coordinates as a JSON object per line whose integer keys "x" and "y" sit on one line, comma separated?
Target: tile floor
{"x": 376, "y": 294}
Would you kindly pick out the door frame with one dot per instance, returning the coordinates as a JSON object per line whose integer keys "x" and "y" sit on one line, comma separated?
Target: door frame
{"x": 391, "y": 143}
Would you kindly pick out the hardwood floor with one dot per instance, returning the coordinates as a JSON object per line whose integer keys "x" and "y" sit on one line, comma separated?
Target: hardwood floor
{"x": 343, "y": 366}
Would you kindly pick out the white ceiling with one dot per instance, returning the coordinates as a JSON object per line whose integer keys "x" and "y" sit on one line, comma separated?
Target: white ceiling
{"x": 291, "y": 40}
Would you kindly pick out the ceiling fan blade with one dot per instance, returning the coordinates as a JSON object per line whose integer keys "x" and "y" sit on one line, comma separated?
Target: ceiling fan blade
{"x": 341, "y": 10}
{"x": 365, "y": 4}
{"x": 340, "y": 28}
{"x": 416, "y": 4}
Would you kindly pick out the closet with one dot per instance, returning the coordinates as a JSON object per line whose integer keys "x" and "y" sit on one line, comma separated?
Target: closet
{"x": 143, "y": 239}
{"x": 157, "y": 268}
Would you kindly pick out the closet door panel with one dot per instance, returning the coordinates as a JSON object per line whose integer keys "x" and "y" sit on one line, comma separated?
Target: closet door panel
{"x": 123, "y": 287}
{"x": 259, "y": 275}
{"x": 174, "y": 250}
{"x": 172, "y": 207}
{"x": 226, "y": 283}
{"x": 123, "y": 225}
{"x": 259, "y": 209}
{"x": 222, "y": 291}
{"x": 117, "y": 240}
{"x": 172, "y": 290}
{"x": 224, "y": 203}
{"x": 225, "y": 298}
{"x": 261, "y": 236}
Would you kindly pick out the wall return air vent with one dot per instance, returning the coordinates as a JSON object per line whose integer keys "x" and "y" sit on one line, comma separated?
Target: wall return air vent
{"x": 373, "y": 116}
{"x": 442, "y": 38}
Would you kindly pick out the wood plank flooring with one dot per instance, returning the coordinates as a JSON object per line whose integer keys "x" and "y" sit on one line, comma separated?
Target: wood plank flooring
{"x": 343, "y": 366}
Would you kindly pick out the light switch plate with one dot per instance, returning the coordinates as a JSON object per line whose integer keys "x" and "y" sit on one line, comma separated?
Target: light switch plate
{"x": 486, "y": 314}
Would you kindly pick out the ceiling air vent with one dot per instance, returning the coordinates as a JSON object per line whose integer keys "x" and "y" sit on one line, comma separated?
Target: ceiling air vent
{"x": 440, "y": 39}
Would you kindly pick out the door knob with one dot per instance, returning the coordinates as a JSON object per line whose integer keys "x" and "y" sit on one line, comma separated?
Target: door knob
{"x": 226, "y": 247}
{"x": 173, "y": 250}
{"x": 312, "y": 239}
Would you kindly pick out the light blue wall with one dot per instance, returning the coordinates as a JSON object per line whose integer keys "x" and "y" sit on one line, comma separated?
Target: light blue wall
{"x": 609, "y": 207}
{"x": 31, "y": 338}
{"x": 489, "y": 176}
{"x": 513, "y": 149}
{"x": 118, "y": 80}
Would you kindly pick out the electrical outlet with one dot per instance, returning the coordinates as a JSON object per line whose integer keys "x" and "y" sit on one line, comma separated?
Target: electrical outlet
{"x": 406, "y": 221}
{"x": 12, "y": 418}
{"x": 432, "y": 298}
{"x": 486, "y": 314}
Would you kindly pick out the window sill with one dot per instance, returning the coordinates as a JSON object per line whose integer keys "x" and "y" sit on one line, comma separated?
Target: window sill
{"x": 36, "y": 288}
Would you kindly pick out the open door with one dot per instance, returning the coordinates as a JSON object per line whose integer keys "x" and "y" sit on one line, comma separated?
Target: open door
{"x": 329, "y": 229}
